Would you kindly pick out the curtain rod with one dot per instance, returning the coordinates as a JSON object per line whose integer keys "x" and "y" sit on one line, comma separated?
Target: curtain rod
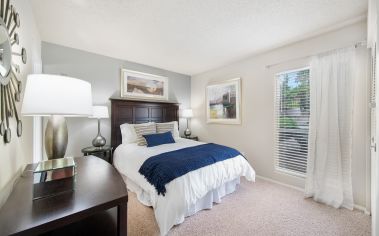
{"x": 356, "y": 45}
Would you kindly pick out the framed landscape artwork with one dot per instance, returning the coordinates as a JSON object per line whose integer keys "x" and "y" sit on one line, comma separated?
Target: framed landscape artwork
{"x": 136, "y": 84}
{"x": 223, "y": 102}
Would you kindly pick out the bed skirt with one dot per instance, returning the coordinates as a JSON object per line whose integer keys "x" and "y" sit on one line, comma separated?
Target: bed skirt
{"x": 205, "y": 202}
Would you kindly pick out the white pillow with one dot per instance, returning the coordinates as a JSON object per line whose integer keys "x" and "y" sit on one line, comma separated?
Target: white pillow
{"x": 161, "y": 127}
{"x": 128, "y": 132}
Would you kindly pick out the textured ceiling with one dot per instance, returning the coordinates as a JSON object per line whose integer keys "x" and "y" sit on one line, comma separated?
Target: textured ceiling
{"x": 187, "y": 36}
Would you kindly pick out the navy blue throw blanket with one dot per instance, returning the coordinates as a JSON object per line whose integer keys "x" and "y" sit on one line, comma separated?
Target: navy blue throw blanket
{"x": 165, "y": 167}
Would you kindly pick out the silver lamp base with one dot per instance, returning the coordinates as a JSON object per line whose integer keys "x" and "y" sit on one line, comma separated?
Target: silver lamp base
{"x": 99, "y": 141}
{"x": 187, "y": 132}
{"x": 56, "y": 137}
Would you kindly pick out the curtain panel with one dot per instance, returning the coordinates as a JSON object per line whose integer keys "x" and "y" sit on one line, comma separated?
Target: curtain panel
{"x": 332, "y": 94}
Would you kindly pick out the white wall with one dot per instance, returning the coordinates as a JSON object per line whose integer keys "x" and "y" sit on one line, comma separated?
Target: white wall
{"x": 373, "y": 35}
{"x": 104, "y": 75}
{"x": 255, "y": 137}
{"x": 15, "y": 155}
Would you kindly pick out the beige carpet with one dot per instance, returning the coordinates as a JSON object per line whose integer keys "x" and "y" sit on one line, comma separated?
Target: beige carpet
{"x": 260, "y": 208}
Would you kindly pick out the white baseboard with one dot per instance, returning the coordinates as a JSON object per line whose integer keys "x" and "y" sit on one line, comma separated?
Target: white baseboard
{"x": 357, "y": 207}
{"x": 280, "y": 183}
{"x": 362, "y": 208}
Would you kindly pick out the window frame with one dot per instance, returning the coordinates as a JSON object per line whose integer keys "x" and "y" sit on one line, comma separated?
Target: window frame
{"x": 277, "y": 168}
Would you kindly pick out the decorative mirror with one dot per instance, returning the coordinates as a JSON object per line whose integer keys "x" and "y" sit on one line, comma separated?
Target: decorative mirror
{"x": 10, "y": 85}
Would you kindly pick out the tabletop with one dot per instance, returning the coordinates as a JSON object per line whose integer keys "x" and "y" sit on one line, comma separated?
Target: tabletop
{"x": 98, "y": 187}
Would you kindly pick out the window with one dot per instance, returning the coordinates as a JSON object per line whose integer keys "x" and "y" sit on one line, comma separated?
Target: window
{"x": 292, "y": 121}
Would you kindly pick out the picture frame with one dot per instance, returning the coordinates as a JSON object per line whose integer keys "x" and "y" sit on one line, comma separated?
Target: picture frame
{"x": 139, "y": 85}
{"x": 223, "y": 102}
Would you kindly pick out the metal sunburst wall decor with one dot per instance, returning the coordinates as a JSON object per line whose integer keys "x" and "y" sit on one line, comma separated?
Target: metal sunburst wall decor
{"x": 10, "y": 84}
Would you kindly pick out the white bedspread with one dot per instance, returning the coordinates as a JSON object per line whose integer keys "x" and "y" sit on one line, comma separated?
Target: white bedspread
{"x": 184, "y": 191}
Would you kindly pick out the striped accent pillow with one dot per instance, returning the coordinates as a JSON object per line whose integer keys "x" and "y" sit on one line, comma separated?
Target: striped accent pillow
{"x": 165, "y": 127}
{"x": 168, "y": 126}
{"x": 144, "y": 129}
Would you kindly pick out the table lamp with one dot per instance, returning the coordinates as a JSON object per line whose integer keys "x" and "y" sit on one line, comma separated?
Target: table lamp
{"x": 99, "y": 112}
{"x": 188, "y": 114}
{"x": 56, "y": 97}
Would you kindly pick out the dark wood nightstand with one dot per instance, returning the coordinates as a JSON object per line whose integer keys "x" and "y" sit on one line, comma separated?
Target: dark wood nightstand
{"x": 191, "y": 137}
{"x": 104, "y": 152}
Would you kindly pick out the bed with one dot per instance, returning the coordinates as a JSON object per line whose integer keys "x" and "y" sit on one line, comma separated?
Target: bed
{"x": 187, "y": 194}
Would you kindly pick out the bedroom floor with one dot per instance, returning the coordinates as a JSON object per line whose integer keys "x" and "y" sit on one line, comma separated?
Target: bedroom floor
{"x": 260, "y": 208}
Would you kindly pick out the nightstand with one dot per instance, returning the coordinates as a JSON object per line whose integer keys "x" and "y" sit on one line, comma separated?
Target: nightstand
{"x": 104, "y": 152}
{"x": 191, "y": 137}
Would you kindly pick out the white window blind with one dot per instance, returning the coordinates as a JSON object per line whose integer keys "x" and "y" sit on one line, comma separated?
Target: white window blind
{"x": 292, "y": 110}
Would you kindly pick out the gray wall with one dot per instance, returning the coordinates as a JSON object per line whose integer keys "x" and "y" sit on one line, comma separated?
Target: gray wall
{"x": 104, "y": 75}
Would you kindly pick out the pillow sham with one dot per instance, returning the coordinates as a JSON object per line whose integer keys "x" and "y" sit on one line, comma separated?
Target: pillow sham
{"x": 128, "y": 135}
{"x": 141, "y": 130}
{"x": 168, "y": 126}
{"x": 153, "y": 140}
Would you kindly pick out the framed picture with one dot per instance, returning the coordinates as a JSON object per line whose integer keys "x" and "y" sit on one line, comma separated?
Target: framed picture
{"x": 223, "y": 102}
{"x": 136, "y": 84}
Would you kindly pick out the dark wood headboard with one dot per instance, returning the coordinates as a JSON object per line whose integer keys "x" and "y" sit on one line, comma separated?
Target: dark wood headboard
{"x": 136, "y": 112}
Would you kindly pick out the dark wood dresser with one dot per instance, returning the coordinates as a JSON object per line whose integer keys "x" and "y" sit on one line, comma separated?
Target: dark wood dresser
{"x": 98, "y": 188}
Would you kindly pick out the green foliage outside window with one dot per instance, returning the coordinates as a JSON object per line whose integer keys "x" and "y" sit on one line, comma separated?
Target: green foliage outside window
{"x": 295, "y": 90}
{"x": 287, "y": 123}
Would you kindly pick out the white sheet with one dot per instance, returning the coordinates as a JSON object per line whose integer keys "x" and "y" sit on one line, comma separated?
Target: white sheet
{"x": 183, "y": 192}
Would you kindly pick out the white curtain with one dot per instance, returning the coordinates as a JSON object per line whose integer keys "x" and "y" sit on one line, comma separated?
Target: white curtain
{"x": 328, "y": 177}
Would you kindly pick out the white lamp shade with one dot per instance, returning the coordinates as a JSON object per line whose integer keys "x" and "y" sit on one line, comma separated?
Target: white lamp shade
{"x": 56, "y": 95}
{"x": 99, "y": 112}
{"x": 187, "y": 113}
